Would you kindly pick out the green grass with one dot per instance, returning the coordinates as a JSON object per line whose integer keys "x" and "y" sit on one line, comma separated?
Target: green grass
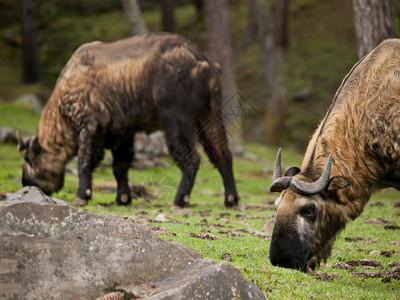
{"x": 249, "y": 253}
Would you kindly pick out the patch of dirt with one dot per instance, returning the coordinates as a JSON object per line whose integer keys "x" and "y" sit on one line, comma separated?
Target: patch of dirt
{"x": 388, "y": 275}
{"x": 162, "y": 230}
{"x": 226, "y": 256}
{"x": 377, "y": 204}
{"x": 343, "y": 265}
{"x": 255, "y": 233}
{"x": 367, "y": 274}
{"x": 269, "y": 226}
{"x": 230, "y": 233}
{"x": 393, "y": 272}
{"x": 360, "y": 241}
{"x": 178, "y": 222}
{"x": 208, "y": 236}
{"x": 397, "y": 243}
{"x": 321, "y": 275}
{"x": 391, "y": 227}
{"x": 394, "y": 264}
{"x": 396, "y": 204}
{"x": 205, "y": 212}
{"x": 353, "y": 239}
{"x": 388, "y": 253}
{"x": 380, "y": 221}
{"x": 248, "y": 217}
{"x": 257, "y": 207}
{"x": 365, "y": 262}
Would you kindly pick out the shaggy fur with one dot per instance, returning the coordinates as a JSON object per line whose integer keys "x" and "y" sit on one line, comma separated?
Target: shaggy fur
{"x": 109, "y": 91}
{"x": 362, "y": 131}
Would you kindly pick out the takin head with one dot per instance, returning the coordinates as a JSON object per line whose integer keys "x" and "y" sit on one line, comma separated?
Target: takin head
{"x": 40, "y": 168}
{"x": 308, "y": 217}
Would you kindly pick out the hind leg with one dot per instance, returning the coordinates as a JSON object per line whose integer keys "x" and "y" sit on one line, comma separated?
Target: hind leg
{"x": 181, "y": 148}
{"x": 213, "y": 138}
{"x": 122, "y": 159}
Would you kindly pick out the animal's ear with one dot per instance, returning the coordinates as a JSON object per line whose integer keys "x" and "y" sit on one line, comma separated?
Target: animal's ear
{"x": 34, "y": 146}
{"x": 23, "y": 144}
{"x": 337, "y": 183}
{"x": 292, "y": 171}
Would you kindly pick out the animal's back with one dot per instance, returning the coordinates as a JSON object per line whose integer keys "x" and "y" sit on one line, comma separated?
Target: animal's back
{"x": 365, "y": 113}
{"x": 133, "y": 80}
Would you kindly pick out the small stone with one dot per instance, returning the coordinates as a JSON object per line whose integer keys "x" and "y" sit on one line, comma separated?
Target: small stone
{"x": 161, "y": 218}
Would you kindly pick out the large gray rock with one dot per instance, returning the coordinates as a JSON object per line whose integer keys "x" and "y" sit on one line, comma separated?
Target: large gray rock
{"x": 50, "y": 250}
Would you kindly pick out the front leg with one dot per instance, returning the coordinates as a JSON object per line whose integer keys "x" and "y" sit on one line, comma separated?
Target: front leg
{"x": 122, "y": 158}
{"x": 90, "y": 153}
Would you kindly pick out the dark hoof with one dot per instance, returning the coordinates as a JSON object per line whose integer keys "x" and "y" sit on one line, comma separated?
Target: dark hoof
{"x": 124, "y": 199}
{"x": 182, "y": 201}
{"x": 80, "y": 202}
{"x": 231, "y": 201}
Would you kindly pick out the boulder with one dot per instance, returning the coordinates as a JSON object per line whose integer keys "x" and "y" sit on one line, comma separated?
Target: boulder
{"x": 51, "y": 250}
{"x": 30, "y": 101}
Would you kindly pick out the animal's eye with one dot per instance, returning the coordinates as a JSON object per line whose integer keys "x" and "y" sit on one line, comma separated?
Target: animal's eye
{"x": 309, "y": 211}
{"x": 28, "y": 160}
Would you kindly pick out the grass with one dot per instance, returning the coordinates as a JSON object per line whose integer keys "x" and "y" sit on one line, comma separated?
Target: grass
{"x": 249, "y": 253}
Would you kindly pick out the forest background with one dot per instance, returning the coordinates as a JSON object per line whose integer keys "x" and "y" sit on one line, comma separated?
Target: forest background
{"x": 314, "y": 45}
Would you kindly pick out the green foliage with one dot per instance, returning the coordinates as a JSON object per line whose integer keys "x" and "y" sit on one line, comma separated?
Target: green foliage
{"x": 249, "y": 253}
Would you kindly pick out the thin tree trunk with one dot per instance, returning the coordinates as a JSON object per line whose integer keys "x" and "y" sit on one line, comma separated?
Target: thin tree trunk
{"x": 251, "y": 28}
{"x": 133, "y": 14}
{"x": 373, "y": 22}
{"x": 31, "y": 66}
{"x": 272, "y": 51}
{"x": 220, "y": 51}
{"x": 168, "y": 22}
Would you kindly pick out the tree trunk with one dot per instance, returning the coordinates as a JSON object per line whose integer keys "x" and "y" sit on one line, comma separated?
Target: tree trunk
{"x": 133, "y": 14}
{"x": 220, "y": 51}
{"x": 168, "y": 22}
{"x": 272, "y": 35}
{"x": 273, "y": 42}
{"x": 373, "y": 22}
{"x": 251, "y": 28}
{"x": 281, "y": 15}
{"x": 199, "y": 4}
{"x": 31, "y": 66}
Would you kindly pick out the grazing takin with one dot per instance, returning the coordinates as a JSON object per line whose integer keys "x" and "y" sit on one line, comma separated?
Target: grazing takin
{"x": 354, "y": 152}
{"x": 109, "y": 91}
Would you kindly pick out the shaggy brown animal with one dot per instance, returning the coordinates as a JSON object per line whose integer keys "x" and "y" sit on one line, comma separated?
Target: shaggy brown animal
{"x": 356, "y": 148}
{"x": 109, "y": 91}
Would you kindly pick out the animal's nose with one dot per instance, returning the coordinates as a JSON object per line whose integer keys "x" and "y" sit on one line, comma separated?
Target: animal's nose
{"x": 284, "y": 253}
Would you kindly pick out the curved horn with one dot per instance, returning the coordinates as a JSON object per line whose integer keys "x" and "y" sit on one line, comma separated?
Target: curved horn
{"x": 279, "y": 183}
{"x": 312, "y": 188}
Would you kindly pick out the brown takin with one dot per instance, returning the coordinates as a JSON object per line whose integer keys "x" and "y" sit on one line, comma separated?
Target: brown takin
{"x": 109, "y": 91}
{"x": 354, "y": 152}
